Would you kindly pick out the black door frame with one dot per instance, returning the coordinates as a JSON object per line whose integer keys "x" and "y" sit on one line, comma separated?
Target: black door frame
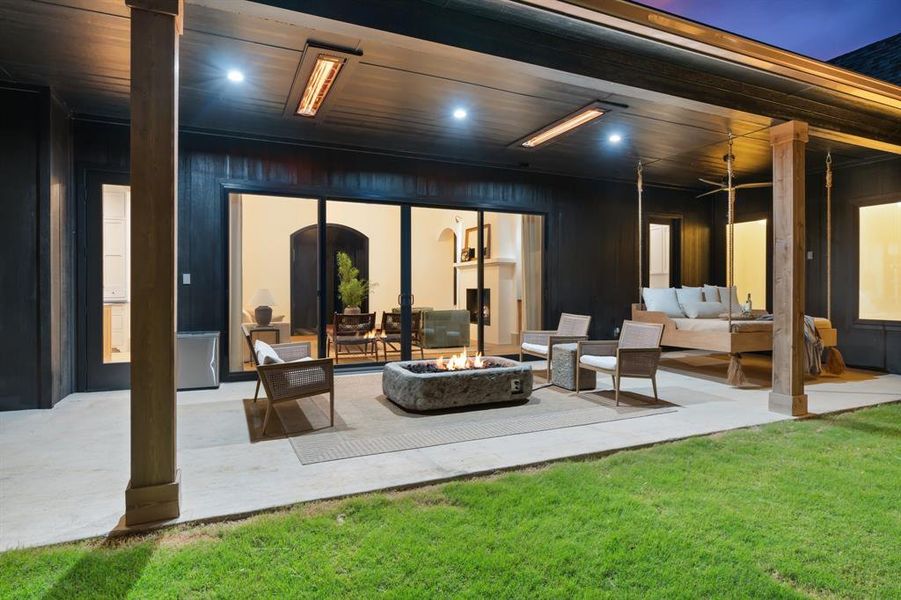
{"x": 92, "y": 373}
{"x": 675, "y": 246}
{"x": 228, "y": 187}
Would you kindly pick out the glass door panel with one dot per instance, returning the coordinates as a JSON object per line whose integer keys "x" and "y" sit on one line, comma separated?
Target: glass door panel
{"x": 116, "y": 248}
{"x": 514, "y": 286}
{"x": 444, "y": 282}
{"x": 274, "y": 274}
{"x": 363, "y": 282}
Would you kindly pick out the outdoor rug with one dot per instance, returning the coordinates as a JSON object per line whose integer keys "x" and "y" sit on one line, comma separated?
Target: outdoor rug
{"x": 367, "y": 423}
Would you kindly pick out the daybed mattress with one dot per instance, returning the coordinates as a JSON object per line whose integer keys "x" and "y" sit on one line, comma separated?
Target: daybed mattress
{"x": 685, "y": 324}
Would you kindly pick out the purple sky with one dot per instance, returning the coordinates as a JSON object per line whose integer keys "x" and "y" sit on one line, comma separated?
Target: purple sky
{"x": 820, "y": 29}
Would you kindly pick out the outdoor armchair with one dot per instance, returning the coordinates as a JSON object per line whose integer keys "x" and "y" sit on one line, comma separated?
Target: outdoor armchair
{"x": 571, "y": 328}
{"x": 635, "y": 354}
{"x": 297, "y": 378}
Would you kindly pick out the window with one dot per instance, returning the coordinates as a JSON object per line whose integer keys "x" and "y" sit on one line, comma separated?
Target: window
{"x": 880, "y": 262}
{"x": 750, "y": 261}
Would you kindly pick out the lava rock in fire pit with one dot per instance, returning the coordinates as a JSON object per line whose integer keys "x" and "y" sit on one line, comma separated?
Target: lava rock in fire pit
{"x": 423, "y": 386}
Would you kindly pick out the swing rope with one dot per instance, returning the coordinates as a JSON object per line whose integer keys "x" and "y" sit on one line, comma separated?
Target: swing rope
{"x": 640, "y": 236}
{"x": 835, "y": 363}
{"x": 735, "y": 375}
{"x": 731, "y": 224}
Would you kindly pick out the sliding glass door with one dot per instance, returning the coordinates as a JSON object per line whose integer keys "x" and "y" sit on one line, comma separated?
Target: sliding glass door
{"x": 363, "y": 282}
{"x": 444, "y": 266}
{"x": 273, "y": 274}
{"x": 369, "y": 282}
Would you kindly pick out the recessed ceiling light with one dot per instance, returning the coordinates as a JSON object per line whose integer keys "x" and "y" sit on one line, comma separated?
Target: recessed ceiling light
{"x": 321, "y": 80}
{"x": 235, "y": 76}
{"x": 615, "y": 138}
{"x": 460, "y": 114}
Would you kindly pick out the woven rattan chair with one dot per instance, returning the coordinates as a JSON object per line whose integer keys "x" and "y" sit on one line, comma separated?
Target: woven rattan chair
{"x": 572, "y": 328}
{"x": 391, "y": 334}
{"x": 293, "y": 379}
{"x": 351, "y": 331}
{"x": 635, "y": 354}
{"x": 296, "y": 350}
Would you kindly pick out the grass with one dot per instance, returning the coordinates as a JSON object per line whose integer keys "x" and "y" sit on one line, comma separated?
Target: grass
{"x": 796, "y": 509}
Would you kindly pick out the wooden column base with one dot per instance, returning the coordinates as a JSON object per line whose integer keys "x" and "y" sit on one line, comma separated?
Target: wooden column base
{"x": 153, "y": 502}
{"x": 786, "y": 404}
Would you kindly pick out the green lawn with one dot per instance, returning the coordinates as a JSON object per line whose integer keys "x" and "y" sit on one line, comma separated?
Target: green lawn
{"x": 798, "y": 509}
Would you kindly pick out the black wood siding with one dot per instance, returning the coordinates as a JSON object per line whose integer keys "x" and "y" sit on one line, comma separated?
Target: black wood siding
{"x": 36, "y": 246}
{"x": 591, "y": 245}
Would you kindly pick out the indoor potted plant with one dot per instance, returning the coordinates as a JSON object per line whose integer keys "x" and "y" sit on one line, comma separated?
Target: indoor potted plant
{"x": 351, "y": 289}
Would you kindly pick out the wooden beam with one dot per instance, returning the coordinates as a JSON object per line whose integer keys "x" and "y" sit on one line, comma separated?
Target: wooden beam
{"x": 789, "y": 141}
{"x": 153, "y": 491}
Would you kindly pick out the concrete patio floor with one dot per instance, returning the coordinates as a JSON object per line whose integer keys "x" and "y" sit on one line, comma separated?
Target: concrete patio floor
{"x": 63, "y": 472}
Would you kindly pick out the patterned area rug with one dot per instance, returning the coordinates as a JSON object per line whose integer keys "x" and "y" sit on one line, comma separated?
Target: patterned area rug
{"x": 367, "y": 423}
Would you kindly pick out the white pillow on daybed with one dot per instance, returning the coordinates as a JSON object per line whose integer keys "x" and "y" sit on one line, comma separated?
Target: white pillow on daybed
{"x": 662, "y": 300}
{"x": 711, "y": 293}
{"x": 689, "y": 294}
{"x": 724, "y": 298}
{"x": 703, "y": 310}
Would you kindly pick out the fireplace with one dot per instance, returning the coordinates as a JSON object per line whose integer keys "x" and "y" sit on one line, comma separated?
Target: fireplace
{"x": 472, "y": 305}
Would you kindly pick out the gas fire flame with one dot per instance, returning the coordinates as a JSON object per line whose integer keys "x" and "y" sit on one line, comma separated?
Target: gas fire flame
{"x": 460, "y": 361}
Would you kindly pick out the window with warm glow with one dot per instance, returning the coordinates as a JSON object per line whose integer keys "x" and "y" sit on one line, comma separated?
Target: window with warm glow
{"x": 880, "y": 262}
{"x": 750, "y": 261}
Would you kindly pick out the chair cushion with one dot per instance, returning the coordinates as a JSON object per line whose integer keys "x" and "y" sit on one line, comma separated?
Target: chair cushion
{"x": 602, "y": 362}
{"x": 662, "y": 300}
{"x": 278, "y": 318}
{"x": 689, "y": 294}
{"x": 703, "y": 310}
{"x": 304, "y": 359}
{"x": 711, "y": 293}
{"x": 266, "y": 354}
{"x": 536, "y": 348}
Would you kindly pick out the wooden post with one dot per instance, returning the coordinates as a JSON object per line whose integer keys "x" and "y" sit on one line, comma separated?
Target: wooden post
{"x": 153, "y": 491}
{"x": 789, "y": 141}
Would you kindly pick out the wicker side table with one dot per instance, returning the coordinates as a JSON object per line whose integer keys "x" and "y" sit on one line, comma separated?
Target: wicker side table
{"x": 563, "y": 369}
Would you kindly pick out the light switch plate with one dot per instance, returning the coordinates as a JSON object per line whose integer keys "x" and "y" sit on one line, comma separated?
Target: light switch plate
{"x": 186, "y": 278}
{"x": 810, "y": 255}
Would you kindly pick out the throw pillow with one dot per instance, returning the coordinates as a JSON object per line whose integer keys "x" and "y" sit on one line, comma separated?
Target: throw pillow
{"x": 662, "y": 300}
{"x": 703, "y": 310}
{"x": 689, "y": 294}
{"x": 724, "y": 298}
{"x": 711, "y": 293}
{"x": 266, "y": 354}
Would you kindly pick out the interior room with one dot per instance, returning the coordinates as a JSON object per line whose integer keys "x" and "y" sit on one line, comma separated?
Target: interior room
{"x": 433, "y": 197}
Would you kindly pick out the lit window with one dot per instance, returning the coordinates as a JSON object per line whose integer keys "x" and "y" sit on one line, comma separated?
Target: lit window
{"x": 750, "y": 261}
{"x": 880, "y": 262}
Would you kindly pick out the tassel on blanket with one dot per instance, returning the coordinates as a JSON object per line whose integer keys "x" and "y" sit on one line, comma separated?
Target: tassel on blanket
{"x": 736, "y": 375}
{"x": 835, "y": 364}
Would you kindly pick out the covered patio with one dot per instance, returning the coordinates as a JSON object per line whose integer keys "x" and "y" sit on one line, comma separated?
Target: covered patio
{"x": 81, "y": 446}
{"x": 426, "y": 168}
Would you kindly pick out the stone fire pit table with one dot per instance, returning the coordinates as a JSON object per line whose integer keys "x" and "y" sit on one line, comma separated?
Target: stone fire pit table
{"x": 503, "y": 380}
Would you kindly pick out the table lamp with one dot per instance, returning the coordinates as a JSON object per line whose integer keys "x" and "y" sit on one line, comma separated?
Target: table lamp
{"x": 263, "y": 300}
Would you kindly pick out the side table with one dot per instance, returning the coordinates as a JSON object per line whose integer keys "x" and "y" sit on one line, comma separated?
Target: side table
{"x": 563, "y": 369}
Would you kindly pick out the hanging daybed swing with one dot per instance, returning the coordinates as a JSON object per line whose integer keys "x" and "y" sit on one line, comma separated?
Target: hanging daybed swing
{"x": 730, "y": 333}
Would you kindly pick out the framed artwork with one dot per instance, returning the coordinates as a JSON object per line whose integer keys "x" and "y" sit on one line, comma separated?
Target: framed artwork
{"x": 471, "y": 240}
